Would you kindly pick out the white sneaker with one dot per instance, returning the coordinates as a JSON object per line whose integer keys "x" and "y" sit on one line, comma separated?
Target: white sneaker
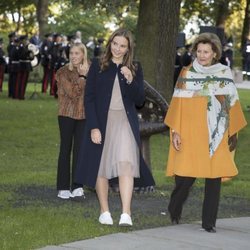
{"x": 78, "y": 192}
{"x": 64, "y": 194}
{"x": 125, "y": 220}
{"x": 106, "y": 219}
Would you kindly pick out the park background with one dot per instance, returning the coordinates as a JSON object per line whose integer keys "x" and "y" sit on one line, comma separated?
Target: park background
{"x": 31, "y": 215}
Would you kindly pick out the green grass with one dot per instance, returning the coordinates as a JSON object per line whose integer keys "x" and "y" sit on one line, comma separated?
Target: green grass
{"x": 30, "y": 214}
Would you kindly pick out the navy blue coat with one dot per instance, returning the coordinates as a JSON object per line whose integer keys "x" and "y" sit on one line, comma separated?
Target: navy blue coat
{"x": 97, "y": 98}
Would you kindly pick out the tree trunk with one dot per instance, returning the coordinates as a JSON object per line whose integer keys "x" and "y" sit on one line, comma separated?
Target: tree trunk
{"x": 246, "y": 25}
{"x": 42, "y": 16}
{"x": 222, "y": 13}
{"x": 157, "y": 30}
{"x": 18, "y": 23}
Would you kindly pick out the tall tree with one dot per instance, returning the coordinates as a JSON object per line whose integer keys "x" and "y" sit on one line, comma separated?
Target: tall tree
{"x": 246, "y": 24}
{"x": 157, "y": 30}
{"x": 222, "y": 12}
{"x": 22, "y": 12}
{"x": 42, "y": 15}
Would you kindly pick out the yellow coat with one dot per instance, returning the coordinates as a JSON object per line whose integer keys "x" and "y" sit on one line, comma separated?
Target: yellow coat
{"x": 188, "y": 117}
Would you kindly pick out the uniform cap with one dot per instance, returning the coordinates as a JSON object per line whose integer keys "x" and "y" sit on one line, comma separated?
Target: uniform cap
{"x": 100, "y": 40}
{"x": 55, "y": 35}
{"x": 47, "y": 35}
{"x": 70, "y": 37}
{"x": 12, "y": 34}
{"x": 23, "y": 37}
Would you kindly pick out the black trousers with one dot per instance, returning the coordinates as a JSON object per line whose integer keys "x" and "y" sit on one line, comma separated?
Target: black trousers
{"x": 23, "y": 80}
{"x": 2, "y": 71}
{"x": 210, "y": 202}
{"x": 71, "y": 132}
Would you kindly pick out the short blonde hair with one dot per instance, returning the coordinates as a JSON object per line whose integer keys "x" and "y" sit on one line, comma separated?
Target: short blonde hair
{"x": 213, "y": 40}
{"x": 83, "y": 48}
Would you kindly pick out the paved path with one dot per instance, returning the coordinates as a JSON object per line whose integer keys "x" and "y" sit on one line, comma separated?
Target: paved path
{"x": 243, "y": 85}
{"x": 232, "y": 234}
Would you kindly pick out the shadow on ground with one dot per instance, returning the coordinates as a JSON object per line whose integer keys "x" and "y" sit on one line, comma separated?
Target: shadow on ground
{"x": 153, "y": 204}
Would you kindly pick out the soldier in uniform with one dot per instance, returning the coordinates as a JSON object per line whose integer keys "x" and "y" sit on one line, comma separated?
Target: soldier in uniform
{"x": 178, "y": 64}
{"x": 187, "y": 56}
{"x": 246, "y": 60}
{"x": 63, "y": 53}
{"x": 227, "y": 55}
{"x": 35, "y": 39}
{"x": 25, "y": 57}
{"x": 13, "y": 43}
{"x": 2, "y": 64}
{"x": 55, "y": 52}
{"x": 46, "y": 61}
{"x": 98, "y": 47}
{"x": 14, "y": 67}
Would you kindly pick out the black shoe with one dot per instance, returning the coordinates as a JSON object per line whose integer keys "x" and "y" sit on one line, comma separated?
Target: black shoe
{"x": 210, "y": 230}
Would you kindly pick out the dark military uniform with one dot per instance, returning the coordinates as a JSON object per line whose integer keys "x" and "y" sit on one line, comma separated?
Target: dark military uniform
{"x": 63, "y": 56}
{"x": 13, "y": 69}
{"x": 67, "y": 50}
{"x": 25, "y": 57}
{"x": 2, "y": 65}
{"x": 13, "y": 63}
{"x": 246, "y": 60}
{"x": 177, "y": 66}
{"x": 98, "y": 48}
{"x": 187, "y": 56}
{"x": 46, "y": 61}
{"x": 55, "y": 53}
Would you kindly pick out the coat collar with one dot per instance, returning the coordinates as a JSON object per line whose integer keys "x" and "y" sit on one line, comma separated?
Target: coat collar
{"x": 115, "y": 65}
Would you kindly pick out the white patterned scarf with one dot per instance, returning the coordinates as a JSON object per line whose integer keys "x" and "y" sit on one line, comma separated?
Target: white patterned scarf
{"x": 215, "y": 82}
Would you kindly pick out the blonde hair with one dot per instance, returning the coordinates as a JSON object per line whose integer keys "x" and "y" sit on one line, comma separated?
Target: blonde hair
{"x": 213, "y": 40}
{"x": 83, "y": 48}
{"x": 128, "y": 57}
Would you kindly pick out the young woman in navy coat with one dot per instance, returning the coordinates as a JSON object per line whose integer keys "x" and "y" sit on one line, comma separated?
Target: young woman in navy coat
{"x": 111, "y": 144}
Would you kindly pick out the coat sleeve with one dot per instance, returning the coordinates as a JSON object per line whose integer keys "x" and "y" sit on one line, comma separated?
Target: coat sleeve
{"x": 236, "y": 119}
{"x": 173, "y": 116}
{"x": 135, "y": 90}
{"x": 90, "y": 96}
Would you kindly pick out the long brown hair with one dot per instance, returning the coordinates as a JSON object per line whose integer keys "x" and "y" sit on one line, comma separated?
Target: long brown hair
{"x": 128, "y": 57}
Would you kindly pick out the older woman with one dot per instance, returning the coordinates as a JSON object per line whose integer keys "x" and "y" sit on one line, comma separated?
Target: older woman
{"x": 204, "y": 118}
{"x": 71, "y": 80}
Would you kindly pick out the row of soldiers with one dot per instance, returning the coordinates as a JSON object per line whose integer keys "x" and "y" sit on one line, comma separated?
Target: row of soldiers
{"x": 55, "y": 53}
{"x": 17, "y": 64}
{"x": 52, "y": 53}
{"x": 2, "y": 64}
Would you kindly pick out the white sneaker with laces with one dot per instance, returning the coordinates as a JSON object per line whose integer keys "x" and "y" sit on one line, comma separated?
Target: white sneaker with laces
{"x": 125, "y": 220}
{"x": 78, "y": 192}
{"x": 64, "y": 194}
{"x": 106, "y": 219}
